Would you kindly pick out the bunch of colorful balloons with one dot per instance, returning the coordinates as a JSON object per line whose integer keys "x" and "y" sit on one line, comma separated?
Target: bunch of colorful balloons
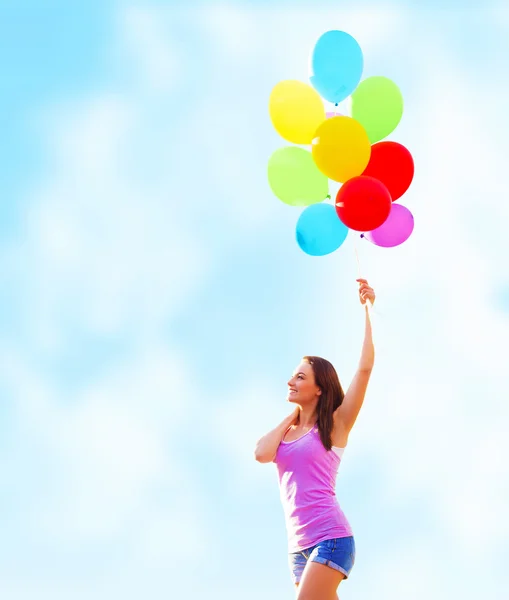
{"x": 346, "y": 149}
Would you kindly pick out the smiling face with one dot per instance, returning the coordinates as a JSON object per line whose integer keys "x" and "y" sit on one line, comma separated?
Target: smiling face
{"x": 302, "y": 388}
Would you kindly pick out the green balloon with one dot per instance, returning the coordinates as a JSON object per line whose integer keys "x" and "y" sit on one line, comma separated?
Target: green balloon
{"x": 295, "y": 179}
{"x": 377, "y": 104}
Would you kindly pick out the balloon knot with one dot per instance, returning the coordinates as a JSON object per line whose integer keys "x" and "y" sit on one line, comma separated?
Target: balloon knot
{"x": 362, "y": 235}
{"x": 328, "y": 196}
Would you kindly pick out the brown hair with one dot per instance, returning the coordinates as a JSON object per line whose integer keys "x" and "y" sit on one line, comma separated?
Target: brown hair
{"x": 331, "y": 397}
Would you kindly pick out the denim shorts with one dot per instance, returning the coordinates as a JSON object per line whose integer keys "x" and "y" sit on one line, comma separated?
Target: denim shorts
{"x": 337, "y": 553}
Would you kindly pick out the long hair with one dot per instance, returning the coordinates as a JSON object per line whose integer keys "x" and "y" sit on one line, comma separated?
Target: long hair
{"x": 331, "y": 397}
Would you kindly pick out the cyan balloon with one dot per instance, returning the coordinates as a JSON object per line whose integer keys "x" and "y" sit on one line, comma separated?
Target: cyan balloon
{"x": 319, "y": 230}
{"x": 336, "y": 65}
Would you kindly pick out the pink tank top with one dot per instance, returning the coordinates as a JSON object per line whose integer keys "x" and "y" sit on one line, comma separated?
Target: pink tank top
{"x": 307, "y": 479}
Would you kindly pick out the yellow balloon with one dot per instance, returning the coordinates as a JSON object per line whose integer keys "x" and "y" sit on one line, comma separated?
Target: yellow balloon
{"x": 296, "y": 110}
{"x": 341, "y": 148}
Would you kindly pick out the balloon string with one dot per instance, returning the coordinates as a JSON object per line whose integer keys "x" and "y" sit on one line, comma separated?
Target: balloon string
{"x": 357, "y": 260}
{"x": 359, "y": 272}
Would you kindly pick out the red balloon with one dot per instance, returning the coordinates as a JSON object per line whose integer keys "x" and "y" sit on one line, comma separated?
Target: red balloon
{"x": 393, "y": 165}
{"x": 363, "y": 203}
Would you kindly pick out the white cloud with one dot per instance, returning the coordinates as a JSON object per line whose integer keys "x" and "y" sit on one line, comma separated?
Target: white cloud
{"x": 88, "y": 137}
{"x": 150, "y": 48}
{"x": 289, "y": 35}
{"x": 107, "y": 249}
{"x": 106, "y": 243}
{"x": 112, "y": 447}
{"x": 501, "y": 14}
{"x": 411, "y": 571}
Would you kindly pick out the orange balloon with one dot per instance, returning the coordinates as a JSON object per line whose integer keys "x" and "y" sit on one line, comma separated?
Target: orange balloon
{"x": 341, "y": 148}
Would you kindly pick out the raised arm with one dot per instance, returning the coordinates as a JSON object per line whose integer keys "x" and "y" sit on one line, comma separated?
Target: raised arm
{"x": 266, "y": 447}
{"x": 346, "y": 415}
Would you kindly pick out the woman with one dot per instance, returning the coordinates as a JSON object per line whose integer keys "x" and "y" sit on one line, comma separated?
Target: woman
{"x": 307, "y": 448}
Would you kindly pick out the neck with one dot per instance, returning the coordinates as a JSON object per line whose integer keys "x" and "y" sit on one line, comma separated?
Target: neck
{"x": 307, "y": 417}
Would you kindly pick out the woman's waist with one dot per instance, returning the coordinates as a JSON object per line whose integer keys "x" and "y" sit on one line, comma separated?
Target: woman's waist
{"x": 310, "y": 502}
{"x": 302, "y": 518}
{"x": 308, "y": 495}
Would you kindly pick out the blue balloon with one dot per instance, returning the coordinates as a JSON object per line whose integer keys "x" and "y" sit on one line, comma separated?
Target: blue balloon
{"x": 319, "y": 230}
{"x": 336, "y": 65}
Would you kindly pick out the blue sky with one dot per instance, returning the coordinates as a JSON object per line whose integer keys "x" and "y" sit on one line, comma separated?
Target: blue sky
{"x": 154, "y": 303}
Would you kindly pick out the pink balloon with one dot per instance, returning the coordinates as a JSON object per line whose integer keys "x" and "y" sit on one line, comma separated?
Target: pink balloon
{"x": 396, "y": 230}
{"x": 330, "y": 114}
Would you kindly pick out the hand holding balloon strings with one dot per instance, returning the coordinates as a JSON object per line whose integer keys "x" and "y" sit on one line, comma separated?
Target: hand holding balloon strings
{"x": 366, "y": 292}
